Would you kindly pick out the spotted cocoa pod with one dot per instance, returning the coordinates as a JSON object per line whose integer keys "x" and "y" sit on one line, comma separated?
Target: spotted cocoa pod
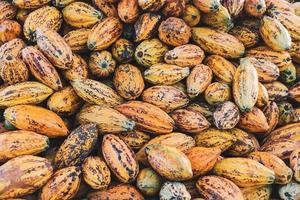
{"x": 226, "y": 115}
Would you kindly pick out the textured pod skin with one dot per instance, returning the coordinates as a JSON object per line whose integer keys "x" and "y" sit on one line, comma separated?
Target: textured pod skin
{"x": 174, "y": 190}
{"x": 243, "y": 145}
{"x": 286, "y": 132}
{"x": 217, "y": 42}
{"x": 95, "y": 92}
{"x": 207, "y": 6}
{"x": 188, "y": 55}
{"x": 234, "y": 7}
{"x": 23, "y": 175}
{"x": 9, "y": 29}
{"x": 279, "y": 58}
{"x": 174, "y": 31}
{"x": 276, "y": 90}
{"x": 255, "y": 8}
{"x": 198, "y": 80}
{"x": 145, "y": 25}
{"x": 245, "y": 86}
{"x": 63, "y": 185}
{"x": 55, "y": 48}
{"x": 135, "y": 139}
{"x": 174, "y": 8}
{"x": 180, "y": 141}
{"x": 23, "y": 4}
{"x": 147, "y": 117}
{"x": 294, "y": 92}
{"x": 120, "y": 158}
{"x": 148, "y": 182}
{"x": 222, "y": 68}
{"x": 13, "y": 70}
{"x": 111, "y": 27}
{"x": 153, "y": 5}
{"x": 257, "y": 192}
{"x": 295, "y": 164}
{"x": 283, "y": 174}
{"x": 167, "y": 98}
{"x": 77, "y": 39}
{"x": 289, "y": 74}
{"x": 275, "y": 34}
{"x": 294, "y": 51}
{"x": 150, "y": 52}
{"x": 244, "y": 172}
{"x": 226, "y": 115}
{"x": 189, "y": 121}
{"x": 202, "y": 159}
{"x": 38, "y": 119}
{"x": 165, "y": 74}
{"x": 29, "y": 143}
{"x": 215, "y": 187}
{"x": 81, "y": 15}
{"x": 128, "y": 10}
{"x": 65, "y": 101}
{"x": 12, "y": 48}
{"x": 128, "y": 81}
{"x": 263, "y": 97}
{"x": 8, "y": 11}
{"x": 101, "y": 63}
{"x": 271, "y": 112}
{"x": 290, "y": 21}
{"x": 220, "y": 20}
{"x": 96, "y": 173}
{"x": 61, "y": 3}
{"x": 212, "y": 137}
{"x": 254, "y": 121}
{"x": 217, "y": 93}
{"x": 108, "y": 8}
{"x": 289, "y": 191}
{"x": 24, "y": 93}
{"x": 191, "y": 15}
{"x": 169, "y": 162}
{"x": 123, "y": 50}
{"x": 247, "y": 35}
{"x": 44, "y": 17}
{"x": 78, "y": 70}
{"x": 107, "y": 119}
{"x": 279, "y": 6}
{"x": 266, "y": 70}
{"x": 286, "y": 113}
{"x": 77, "y": 146}
{"x": 41, "y": 68}
{"x": 120, "y": 192}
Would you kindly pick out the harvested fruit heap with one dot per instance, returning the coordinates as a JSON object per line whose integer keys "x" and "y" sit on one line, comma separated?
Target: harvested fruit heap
{"x": 150, "y": 99}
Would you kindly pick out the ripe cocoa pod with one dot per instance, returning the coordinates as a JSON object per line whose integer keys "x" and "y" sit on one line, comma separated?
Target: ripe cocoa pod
{"x": 295, "y": 164}
{"x": 276, "y": 90}
{"x": 135, "y": 139}
{"x": 123, "y": 50}
{"x": 9, "y": 29}
{"x": 30, "y": 4}
{"x": 226, "y": 115}
{"x": 78, "y": 70}
{"x": 128, "y": 11}
{"x": 263, "y": 96}
{"x": 101, "y": 63}
{"x": 207, "y": 6}
{"x": 145, "y": 26}
{"x": 244, "y": 143}
{"x": 8, "y": 10}
{"x": 12, "y": 48}
{"x": 77, "y": 39}
{"x": 108, "y": 8}
{"x": 257, "y": 192}
{"x": 294, "y": 92}
{"x": 191, "y": 15}
{"x": 174, "y": 8}
{"x": 234, "y": 7}
{"x": 247, "y": 35}
{"x": 286, "y": 113}
{"x": 255, "y": 8}
{"x": 271, "y": 112}
{"x": 153, "y": 5}
{"x": 217, "y": 93}
{"x": 119, "y": 158}
{"x": 148, "y": 182}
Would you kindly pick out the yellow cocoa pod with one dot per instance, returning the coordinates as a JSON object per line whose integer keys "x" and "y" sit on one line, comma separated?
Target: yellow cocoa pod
{"x": 212, "y": 187}
{"x": 61, "y": 3}
{"x": 111, "y": 27}
{"x": 150, "y": 52}
{"x": 295, "y": 164}
{"x": 178, "y": 140}
{"x": 207, "y": 6}
{"x": 119, "y": 158}
{"x": 101, "y": 63}
{"x": 175, "y": 166}
{"x": 271, "y": 112}
{"x": 257, "y": 192}
{"x": 244, "y": 143}
{"x": 276, "y": 90}
{"x": 145, "y": 26}
{"x": 44, "y": 17}
{"x": 294, "y": 92}
{"x": 30, "y": 4}
{"x": 65, "y": 101}
{"x": 24, "y": 93}
{"x": 108, "y": 8}
{"x": 45, "y": 121}
{"x": 128, "y": 11}
{"x": 223, "y": 70}
{"x": 135, "y": 139}
{"x": 167, "y": 98}
{"x": 149, "y": 182}
{"x": 244, "y": 172}
{"x": 255, "y": 8}
{"x": 281, "y": 147}
{"x": 96, "y": 173}
{"x": 247, "y": 35}
{"x": 191, "y": 15}
{"x": 279, "y": 6}
{"x": 77, "y": 39}
{"x": 95, "y": 92}
{"x": 123, "y": 50}
{"x": 128, "y": 81}
{"x": 218, "y": 42}
{"x": 78, "y": 70}
{"x": 174, "y": 8}
{"x": 188, "y": 55}
{"x": 152, "y": 5}
{"x": 245, "y": 86}
{"x": 12, "y": 48}
{"x": 263, "y": 96}
{"x": 283, "y": 174}
{"x": 63, "y": 185}
{"x": 8, "y": 11}
{"x": 217, "y": 93}
{"x": 275, "y": 34}
{"x": 29, "y": 143}
{"x": 202, "y": 159}
{"x": 107, "y": 119}
{"x": 81, "y": 15}
{"x": 9, "y": 29}
{"x": 165, "y": 74}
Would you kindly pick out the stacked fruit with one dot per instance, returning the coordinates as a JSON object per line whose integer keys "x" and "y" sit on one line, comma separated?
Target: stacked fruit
{"x": 150, "y": 99}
